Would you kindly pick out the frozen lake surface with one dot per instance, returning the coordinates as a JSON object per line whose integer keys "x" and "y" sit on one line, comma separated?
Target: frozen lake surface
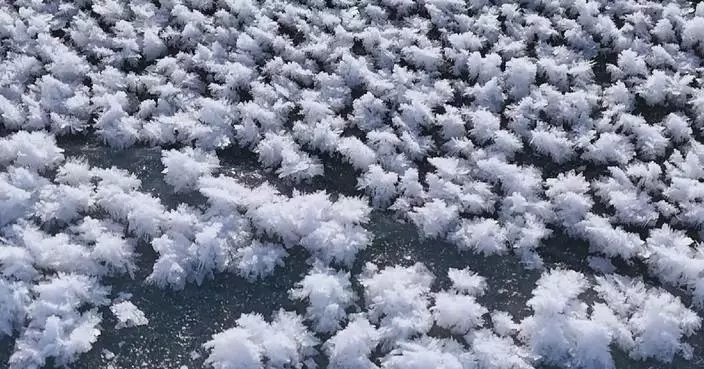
{"x": 180, "y": 321}
{"x": 278, "y": 184}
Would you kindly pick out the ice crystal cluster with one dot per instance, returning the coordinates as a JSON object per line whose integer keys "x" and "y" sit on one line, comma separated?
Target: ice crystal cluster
{"x": 491, "y": 126}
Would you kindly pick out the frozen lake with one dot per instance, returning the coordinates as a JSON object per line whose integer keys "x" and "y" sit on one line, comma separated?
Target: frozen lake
{"x": 553, "y": 147}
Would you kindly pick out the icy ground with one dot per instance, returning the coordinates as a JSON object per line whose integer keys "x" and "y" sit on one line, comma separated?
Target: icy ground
{"x": 387, "y": 184}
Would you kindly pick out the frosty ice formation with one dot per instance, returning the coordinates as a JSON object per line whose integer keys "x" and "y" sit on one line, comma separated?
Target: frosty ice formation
{"x": 493, "y": 125}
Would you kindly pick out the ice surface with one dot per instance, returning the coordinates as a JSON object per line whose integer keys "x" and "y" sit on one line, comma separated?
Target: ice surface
{"x": 384, "y": 184}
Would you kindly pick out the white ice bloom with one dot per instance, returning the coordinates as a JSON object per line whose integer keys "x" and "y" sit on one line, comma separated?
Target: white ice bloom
{"x": 378, "y": 183}
{"x": 507, "y": 143}
{"x": 183, "y": 168}
{"x": 323, "y": 136}
{"x": 12, "y": 116}
{"x": 485, "y": 124}
{"x": 461, "y": 146}
{"x": 693, "y": 32}
{"x": 14, "y": 299}
{"x": 466, "y": 281}
{"x": 191, "y": 248}
{"x": 35, "y": 151}
{"x": 426, "y": 58}
{"x": 449, "y": 168}
{"x": 482, "y": 68}
{"x": 351, "y": 347}
{"x": 618, "y": 94}
{"x": 655, "y": 89}
{"x": 280, "y": 150}
{"x": 57, "y": 328}
{"x": 109, "y": 247}
{"x": 397, "y": 299}
{"x": 17, "y": 262}
{"x": 678, "y": 127}
{"x": 630, "y": 63}
{"x": 451, "y": 123}
{"x": 485, "y": 236}
{"x": 513, "y": 178}
{"x": 226, "y": 194}
{"x": 192, "y": 255}
{"x": 410, "y": 185}
{"x": 64, "y": 340}
{"x": 631, "y": 205}
{"x": 215, "y": 130}
{"x": 324, "y": 228}
{"x": 609, "y": 240}
{"x": 17, "y": 193}
{"x": 369, "y": 112}
{"x": 145, "y": 213}
{"x": 553, "y": 143}
{"x": 428, "y": 353}
{"x": 152, "y": 45}
{"x": 465, "y": 40}
{"x": 650, "y": 141}
{"x": 492, "y": 351}
{"x": 560, "y": 331}
{"x": 259, "y": 259}
{"x": 556, "y": 73}
{"x": 57, "y": 252}
{"x": 568, "y": 194}
{"x": 128, "y": 315}
{"x": 109, "y": 10}
{"x": 74, "y": 172}
{"x": 384, "y": 143}
{"x": 434, "y": 218}
{"x": 610, "y": 148}
{"x": 473, "y": 197}
{"x": 646, "y": 175}
{"x": 658, "y": 321}
{"x": 169, "y": 269}
{"x": 120, "y": 178}
{"x": 356, "y": 152}
{"x": 63, "y": 203}
{"x": 329, "y": 294}
{"x": 114, "y": 125}
{"x": 520, "y": 75}
{"x": 503, "y": 323}
{"x": 457, "y": 313}
{"x": 234, "y": 349}
{"x": 663, "y": 30}
{"x": 416, "y": 146}
{"x": 526, "y": 222}
{"x": 675, "y": 259}
{"x": 299, "y": 166}
{"x": 347, "y": 209}
{"x": 254, "y": 343}
{"x": 489, "y": 95}
{"x": 556, "y": 291}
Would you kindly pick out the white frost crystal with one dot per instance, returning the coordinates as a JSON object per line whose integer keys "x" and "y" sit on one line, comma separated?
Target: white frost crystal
{"x": 128, "y": 315}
